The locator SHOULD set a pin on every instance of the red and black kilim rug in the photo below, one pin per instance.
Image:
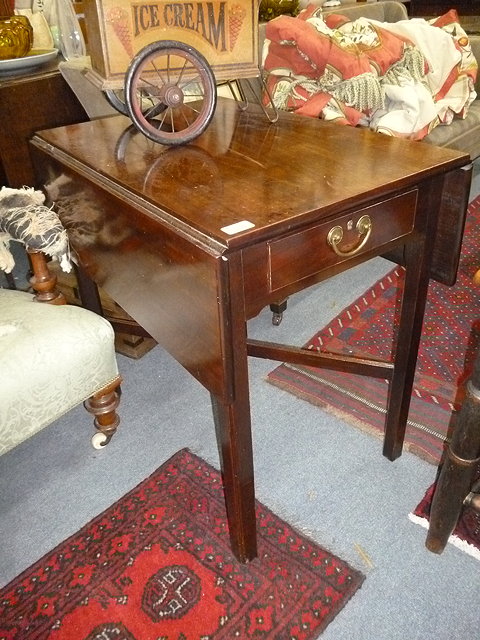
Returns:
(157, 565)
(449, 342)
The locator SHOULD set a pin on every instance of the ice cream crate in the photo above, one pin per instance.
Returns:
(224, 32)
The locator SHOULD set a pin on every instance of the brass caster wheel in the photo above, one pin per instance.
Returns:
(277, 319)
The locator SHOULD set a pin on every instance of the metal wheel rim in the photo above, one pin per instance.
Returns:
(171, 82)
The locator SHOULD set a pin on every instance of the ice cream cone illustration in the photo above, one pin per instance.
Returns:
(236, 16)
(118, 19)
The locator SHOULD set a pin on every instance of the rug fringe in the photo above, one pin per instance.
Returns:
(464, 546)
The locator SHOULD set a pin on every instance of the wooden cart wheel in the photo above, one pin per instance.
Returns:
(179, 85)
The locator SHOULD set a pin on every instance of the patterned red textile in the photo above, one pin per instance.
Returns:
(449, 22)
(157, 565)
(311, 50)
(401, 79)
(303, 59)
(389, 48)
(450, 339)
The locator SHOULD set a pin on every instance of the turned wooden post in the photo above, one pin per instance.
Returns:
(43, 281)
(456, 476)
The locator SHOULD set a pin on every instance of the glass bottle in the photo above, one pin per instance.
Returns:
(70, 36)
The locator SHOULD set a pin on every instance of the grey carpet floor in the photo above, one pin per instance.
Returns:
(320, 474)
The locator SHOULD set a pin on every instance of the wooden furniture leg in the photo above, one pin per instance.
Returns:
(232, 418)
(456, 476)
(417, 264)
(405, 357)
(88, 292)
(43, 281)
(103, 406)
(232, 424)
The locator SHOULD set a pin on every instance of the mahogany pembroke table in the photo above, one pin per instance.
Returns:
(193, 241)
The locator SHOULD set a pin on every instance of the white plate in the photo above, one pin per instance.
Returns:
(33, 60)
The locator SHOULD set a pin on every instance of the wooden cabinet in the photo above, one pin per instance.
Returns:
(29, 103)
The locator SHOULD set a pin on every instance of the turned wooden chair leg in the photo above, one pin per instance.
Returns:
(456, 476)
(43, 281)
(103, 406)
(454, 485)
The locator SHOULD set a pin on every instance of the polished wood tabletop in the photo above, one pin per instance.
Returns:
(296, 170)
(195, 240)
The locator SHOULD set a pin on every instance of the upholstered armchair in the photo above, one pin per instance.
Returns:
(53, 356)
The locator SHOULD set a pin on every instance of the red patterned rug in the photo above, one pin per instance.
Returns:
(449, 341)
(157, 565)
(466, 535)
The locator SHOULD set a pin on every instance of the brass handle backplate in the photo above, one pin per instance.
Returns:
(335, 236)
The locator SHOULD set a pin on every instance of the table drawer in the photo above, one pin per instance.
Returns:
(307, 252)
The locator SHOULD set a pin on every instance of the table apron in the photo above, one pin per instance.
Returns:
(297, 260)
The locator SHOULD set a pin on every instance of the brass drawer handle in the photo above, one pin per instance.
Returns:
(335, 235)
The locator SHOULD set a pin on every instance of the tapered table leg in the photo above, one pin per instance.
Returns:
(418, 256)
(232, 417)
(235, 445)
(456, 476)
(406, 350)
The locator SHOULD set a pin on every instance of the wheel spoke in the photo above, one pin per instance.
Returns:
(189, 81)
(163, 119)
(192, 108)
(181, 73)
(154, 110)
(158, 72)
(194, 95)
(185, 118)
(145, 81)
(146, 95)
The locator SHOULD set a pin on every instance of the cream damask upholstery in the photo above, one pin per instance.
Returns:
(52, 358)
